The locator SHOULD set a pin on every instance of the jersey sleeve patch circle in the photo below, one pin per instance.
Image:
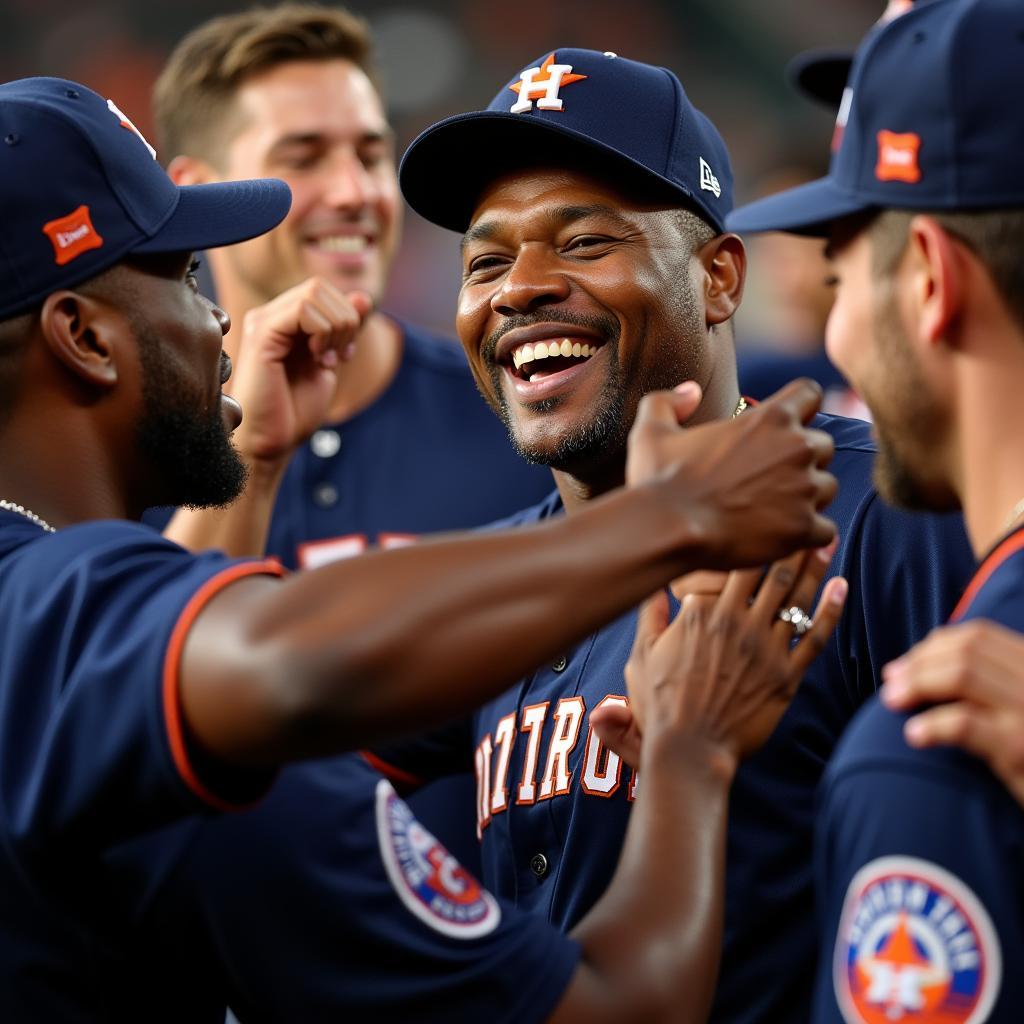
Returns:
(914, 944)
(431, 883)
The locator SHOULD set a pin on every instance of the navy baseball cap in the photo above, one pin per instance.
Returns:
(634, 118)
(933, 122)
(81, 189)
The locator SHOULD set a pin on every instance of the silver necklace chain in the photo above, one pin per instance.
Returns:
(11, 506)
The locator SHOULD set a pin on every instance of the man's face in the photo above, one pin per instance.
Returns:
(183, 431)
(319, 126)
(555, 261)
(868, 339)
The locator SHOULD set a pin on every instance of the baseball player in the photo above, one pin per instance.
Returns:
(143, 688)
(596, 267)
(403, 446)
(919, 865)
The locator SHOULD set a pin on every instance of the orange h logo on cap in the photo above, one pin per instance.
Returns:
(542, 84)
(897, 157)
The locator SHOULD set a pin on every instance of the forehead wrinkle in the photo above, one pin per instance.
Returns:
(558, 217)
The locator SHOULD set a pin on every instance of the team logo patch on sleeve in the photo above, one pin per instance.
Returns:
(431, 883)
(914, 944)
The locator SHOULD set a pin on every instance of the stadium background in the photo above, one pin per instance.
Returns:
(447, 56)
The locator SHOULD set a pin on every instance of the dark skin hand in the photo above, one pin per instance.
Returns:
(396, 641)
(706, 690)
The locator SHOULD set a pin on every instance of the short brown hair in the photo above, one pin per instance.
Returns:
(193, 96)
(994, 236)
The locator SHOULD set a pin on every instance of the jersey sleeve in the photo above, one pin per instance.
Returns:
(368, 916)
(921, 893)
(92, 746)
(412, 763)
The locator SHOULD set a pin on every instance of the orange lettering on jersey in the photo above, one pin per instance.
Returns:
(597, 780)
(532, 724)
(504, 738)
(568, 719)
(897, 157)
(72, 235)
(482, 765)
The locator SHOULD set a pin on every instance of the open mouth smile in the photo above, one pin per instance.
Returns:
(537, 361)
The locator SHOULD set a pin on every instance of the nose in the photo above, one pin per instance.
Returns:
(350, 186)
(223, 320)
(530, 283)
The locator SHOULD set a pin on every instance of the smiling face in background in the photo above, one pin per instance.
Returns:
(576, 301)
(320, 126)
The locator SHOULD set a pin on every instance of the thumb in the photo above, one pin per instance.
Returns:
(669, 408)
(617, 729)
(362, 302)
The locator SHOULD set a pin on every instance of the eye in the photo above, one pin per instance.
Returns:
(483, 263)
(585, 242)
(190, 275)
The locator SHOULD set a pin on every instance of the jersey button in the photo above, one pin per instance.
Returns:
(325, 443)
(325, 495)
(559, 664)
(539, 865)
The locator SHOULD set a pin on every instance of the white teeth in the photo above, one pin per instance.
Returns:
(545, 350)
(342, 243)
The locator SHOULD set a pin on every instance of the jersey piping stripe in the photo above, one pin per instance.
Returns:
(390, 771)
(999, 554)
(172, 665)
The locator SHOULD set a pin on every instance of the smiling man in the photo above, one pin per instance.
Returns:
(919, 851)
(592, 215)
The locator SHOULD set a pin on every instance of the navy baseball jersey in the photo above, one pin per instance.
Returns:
(119, 896)
(553, 803)
(919, 863)
(427, 455)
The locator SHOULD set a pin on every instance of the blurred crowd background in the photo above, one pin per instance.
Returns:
(452, 55)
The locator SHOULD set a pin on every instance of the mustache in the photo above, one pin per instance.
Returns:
(607, 327)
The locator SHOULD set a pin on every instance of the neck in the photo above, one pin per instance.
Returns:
(989, 431)
(720, 401)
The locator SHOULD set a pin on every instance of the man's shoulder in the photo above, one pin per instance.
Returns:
(432, 353)
(848, 433)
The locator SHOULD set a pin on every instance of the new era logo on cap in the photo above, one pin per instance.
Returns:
(542, 84)
(708, 182)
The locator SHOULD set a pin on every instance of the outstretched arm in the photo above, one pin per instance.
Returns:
(394, 641)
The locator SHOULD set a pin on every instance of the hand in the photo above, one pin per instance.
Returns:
(725, 669)
(285, 372)
(976, 671)
(751, 487)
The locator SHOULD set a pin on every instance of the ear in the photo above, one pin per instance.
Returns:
(725, 264)
(191, 170)
(83, 334)
(935, 278)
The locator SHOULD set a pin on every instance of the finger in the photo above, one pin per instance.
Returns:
(822, 445)
(826, 616)
(618, 730)
(959, 724)
(800, 398)
(776, 586)
(976, 660)
(651, 621)
(809, 568)
(668, 408)
(705, 581)
(826, 487)
(740, 586)
(362, 302)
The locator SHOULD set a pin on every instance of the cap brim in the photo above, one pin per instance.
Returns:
(821, 75)
(221, 213)
(806, 210)
(445, 188)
